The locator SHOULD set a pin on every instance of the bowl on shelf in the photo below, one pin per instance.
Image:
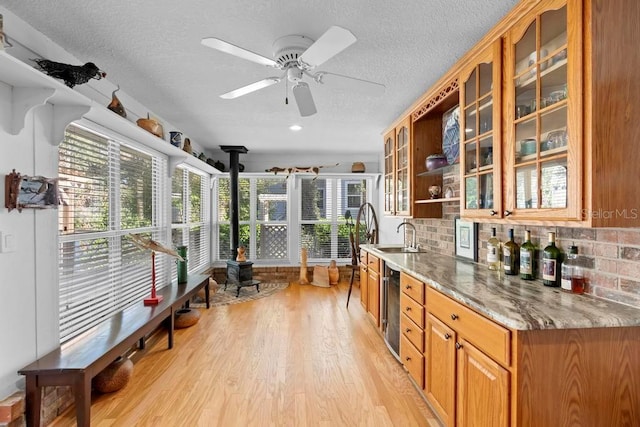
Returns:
(527, 146)
(436, 161)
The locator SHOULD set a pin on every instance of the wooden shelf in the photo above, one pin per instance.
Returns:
(32, 88)
(530, 80)
(438, 171)
(440, 200)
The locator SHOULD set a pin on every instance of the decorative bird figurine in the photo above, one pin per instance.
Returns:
(115, 105)
(147, 243)
(71, 74)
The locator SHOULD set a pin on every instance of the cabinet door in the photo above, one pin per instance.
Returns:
(373, 286)
(482, 391)
(481, 153)
(440, 373)
(389, 172)
(543, 147)
(402, 169)
(364, 289)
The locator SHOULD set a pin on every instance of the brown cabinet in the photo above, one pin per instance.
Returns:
(412, 293)
(465, 383)
(481, 141)
(364, 280)
(397, 170)
(373, 288)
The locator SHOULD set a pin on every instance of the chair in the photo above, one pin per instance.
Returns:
(355, 263)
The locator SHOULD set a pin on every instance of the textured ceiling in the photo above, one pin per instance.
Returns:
(153, 51)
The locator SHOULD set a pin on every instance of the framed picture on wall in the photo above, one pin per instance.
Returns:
(466, 239)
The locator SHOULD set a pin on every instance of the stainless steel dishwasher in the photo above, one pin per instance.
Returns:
(390, 313)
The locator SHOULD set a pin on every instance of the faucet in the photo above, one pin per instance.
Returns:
(413, 234)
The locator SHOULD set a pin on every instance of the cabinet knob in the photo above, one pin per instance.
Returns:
(408, 359)
(458, 345)
(507, 213)
(493, 213)
(408, 287)
(447, 336)
(407, 330)
(454, 316)
(408, 308)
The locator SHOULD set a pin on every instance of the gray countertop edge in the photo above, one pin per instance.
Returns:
(508, 300)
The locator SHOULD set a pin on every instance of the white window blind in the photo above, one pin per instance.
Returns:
(191, 216)
(109, 189)
(263, 217)
(323, 203)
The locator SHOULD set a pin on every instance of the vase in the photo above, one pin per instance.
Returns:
(334, 273)
(175, 138)
(182, 265)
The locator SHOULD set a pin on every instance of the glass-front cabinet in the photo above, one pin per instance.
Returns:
(481, 167)
(543, 136)
(397, 174)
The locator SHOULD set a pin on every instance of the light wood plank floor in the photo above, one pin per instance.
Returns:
(296, 358)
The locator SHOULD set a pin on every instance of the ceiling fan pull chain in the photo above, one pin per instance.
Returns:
(286, 92)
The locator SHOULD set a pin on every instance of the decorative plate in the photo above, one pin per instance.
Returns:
(451, 135)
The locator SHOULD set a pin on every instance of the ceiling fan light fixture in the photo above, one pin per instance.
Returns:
(302, 94)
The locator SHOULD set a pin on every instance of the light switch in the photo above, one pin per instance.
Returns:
(7, 243)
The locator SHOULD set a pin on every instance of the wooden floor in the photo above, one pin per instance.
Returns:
(296, 358)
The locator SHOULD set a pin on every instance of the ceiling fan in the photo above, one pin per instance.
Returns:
(298, 56)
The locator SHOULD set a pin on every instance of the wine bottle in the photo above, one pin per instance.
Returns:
(510, 252)
(551, 262)
(527, 257)
(493, 251)
(566, 269)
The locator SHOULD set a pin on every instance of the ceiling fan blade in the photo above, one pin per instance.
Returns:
(234, 50)
(302, 94)
(333, 41)
(352, 84)
(251, 88)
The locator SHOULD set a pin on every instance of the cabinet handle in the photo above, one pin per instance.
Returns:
(408, 287)
(458, 345)
(408, 359)
(454, 316)
(507, 213)
(407, 330)
(493, 213)
(408, 308)
(447, 336)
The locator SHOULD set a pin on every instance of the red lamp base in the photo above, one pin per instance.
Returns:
(153, 300)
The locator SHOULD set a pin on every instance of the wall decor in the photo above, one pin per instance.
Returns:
(299, 169)
(35, 192)
(151, 125)
(451, 135)
(115, 105)
(466, 238)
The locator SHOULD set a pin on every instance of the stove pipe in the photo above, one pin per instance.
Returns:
(234, 162)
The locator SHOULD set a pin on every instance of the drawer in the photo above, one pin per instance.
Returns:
(412, 287)
(493, 339)
(373, 263)
(412, 309)
(413, 332)
(413, 360)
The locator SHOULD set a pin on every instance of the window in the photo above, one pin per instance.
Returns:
(190, 216)
(109, 189)
(263, 218)
(323, 204)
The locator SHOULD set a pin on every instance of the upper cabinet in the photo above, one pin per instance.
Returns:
(481, 141)
(397, 170)
(543, 104)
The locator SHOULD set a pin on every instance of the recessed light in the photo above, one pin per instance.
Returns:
(295, 128)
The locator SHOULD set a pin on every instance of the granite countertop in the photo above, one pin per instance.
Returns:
(515, 303)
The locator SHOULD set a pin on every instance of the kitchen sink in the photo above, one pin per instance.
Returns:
(398, 249)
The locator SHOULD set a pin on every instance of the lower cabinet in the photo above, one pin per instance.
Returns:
(412, 327)
(373, 288)
(464, 385)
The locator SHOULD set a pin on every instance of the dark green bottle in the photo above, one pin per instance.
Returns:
(527, 258)
(510, 255)
(551, 262)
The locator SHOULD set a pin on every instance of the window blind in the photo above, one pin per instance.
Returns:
(109, 189)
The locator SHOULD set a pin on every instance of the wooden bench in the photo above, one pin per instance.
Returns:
(76, 362)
